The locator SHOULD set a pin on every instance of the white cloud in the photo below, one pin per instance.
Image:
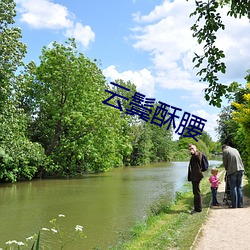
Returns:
(165, 33)
(44, 14)
(83, 34)
(143, 79)
(159, 12)
(211, 122)
(234, 41)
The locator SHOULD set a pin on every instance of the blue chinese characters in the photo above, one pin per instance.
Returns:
(163, 114)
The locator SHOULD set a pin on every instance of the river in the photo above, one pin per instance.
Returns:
(105, 204)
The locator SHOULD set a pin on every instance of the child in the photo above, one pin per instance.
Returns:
(214, 185)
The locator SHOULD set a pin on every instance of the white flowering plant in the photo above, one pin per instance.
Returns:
(48, 237)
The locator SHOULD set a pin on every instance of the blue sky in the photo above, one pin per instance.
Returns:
(148, 42)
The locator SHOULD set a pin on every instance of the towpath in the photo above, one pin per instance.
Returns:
(225, 228)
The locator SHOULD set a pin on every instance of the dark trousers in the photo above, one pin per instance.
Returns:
(235, 182)
(214, 196)
(197, 196)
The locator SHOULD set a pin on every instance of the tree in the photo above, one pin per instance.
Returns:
(12, 50)
(130, 124)
(215, 148)
(241, 116)
(19, 157)
(206, 138)
(208, 23)
(230, 130)
(162, 144)
(149, 142)
(233, 123)
(227, 127)
(78, 132)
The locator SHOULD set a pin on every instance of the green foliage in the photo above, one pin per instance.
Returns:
(203, 144)
(241, 116)
(67, 116)
(162, 144)
(207, 12)
(206, 138)
(215, 147)
(12, 50)
(233, 123)
(184, 142)
(149, 142)
(20, 158)
(53, 120)
(207, 24)
(227, 127)
(238, 8)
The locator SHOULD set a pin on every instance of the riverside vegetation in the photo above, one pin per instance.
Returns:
(53, 122)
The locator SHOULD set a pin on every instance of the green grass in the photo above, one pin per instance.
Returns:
(170, 226)
(246, 188)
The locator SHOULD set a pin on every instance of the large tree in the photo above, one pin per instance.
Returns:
(227, 127)
(211, 63)
(68, 117)
(149, 142)
(19, 158)
(242, 116)
(12, 51)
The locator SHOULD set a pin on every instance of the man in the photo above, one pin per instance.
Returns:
(235, 170)
(195, 175)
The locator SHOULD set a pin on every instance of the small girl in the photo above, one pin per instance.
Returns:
(214, 185)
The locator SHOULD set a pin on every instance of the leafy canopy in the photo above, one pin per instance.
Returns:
(205, 28)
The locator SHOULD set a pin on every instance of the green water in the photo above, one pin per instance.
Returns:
(104, 204)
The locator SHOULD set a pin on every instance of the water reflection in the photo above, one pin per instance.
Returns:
(105, 204)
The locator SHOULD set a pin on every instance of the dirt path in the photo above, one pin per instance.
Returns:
(225, 228)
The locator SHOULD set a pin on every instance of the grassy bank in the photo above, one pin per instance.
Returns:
(170, 227)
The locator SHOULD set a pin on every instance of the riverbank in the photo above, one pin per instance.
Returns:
(171, 227)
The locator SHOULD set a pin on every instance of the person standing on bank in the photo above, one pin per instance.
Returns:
(195, 175)
(214, 181)
(235, 169)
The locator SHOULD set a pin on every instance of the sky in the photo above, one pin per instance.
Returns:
(147, 42)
